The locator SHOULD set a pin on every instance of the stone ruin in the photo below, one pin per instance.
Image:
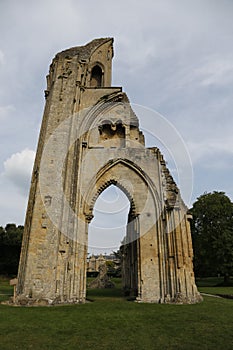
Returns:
(90, 139)
(102, 281)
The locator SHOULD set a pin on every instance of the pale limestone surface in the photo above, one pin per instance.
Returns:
(92, 123)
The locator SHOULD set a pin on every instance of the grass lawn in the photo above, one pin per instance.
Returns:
(210, 285)
(5, 290)
(111, 322)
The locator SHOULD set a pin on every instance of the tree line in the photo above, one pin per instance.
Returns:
(212, 235)
(10, 246)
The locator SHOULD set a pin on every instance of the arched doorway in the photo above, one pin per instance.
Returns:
(107, 229)
(113, 229)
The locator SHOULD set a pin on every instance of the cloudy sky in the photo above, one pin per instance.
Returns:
(172, 56)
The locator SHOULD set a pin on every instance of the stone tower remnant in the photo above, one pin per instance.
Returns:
(90, 139)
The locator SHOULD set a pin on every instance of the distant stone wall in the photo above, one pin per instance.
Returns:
(93, 263)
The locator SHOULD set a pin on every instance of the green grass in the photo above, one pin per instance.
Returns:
(210, 285)
(111, 322)
(114, 294)
(5, 289)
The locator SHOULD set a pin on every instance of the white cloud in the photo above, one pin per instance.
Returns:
(215, 153)
(18, 169)
(12, 204)
(216, 71)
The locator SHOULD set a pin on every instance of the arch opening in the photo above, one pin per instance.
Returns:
(112, 230)
(96, 77)
(108, 226)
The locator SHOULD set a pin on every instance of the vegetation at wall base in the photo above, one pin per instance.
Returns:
(112, 322)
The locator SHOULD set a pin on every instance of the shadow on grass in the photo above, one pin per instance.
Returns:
(215, 285)
(111, 294)
(6, 291)
(112, 323)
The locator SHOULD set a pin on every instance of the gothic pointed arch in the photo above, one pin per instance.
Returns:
(110, 175)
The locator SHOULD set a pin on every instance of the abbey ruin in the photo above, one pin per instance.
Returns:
(90, 139)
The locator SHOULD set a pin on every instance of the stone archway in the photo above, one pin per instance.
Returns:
(98, 133)
(122, 174)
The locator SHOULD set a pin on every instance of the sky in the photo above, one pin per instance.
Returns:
(174, 57)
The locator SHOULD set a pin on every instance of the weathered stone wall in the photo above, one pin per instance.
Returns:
(97, 131)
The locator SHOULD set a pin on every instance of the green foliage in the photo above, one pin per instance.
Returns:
(212, 232)
(92, 274)
(111, 268)
(10, 246)
(118, 257)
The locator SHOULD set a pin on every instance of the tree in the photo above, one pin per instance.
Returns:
(111, 268)
(10, 246)
(212, 232)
